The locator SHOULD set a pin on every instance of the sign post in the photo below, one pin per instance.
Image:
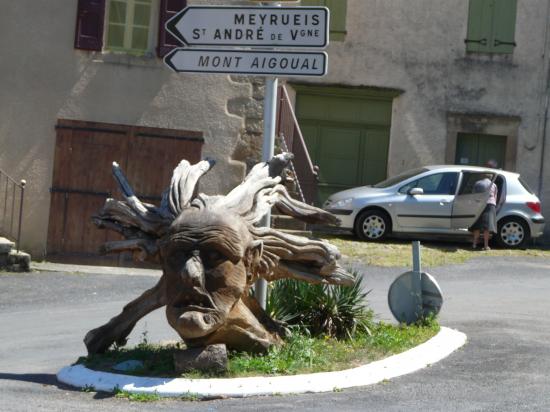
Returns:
(268, 149)
(261, 30)
(247, 62)
(254, 26)
(415, 295)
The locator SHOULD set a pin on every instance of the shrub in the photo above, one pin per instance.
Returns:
(335, 311)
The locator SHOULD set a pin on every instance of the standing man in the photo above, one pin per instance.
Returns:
(487, 221)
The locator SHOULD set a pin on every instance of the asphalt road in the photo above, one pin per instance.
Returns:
(502, 305)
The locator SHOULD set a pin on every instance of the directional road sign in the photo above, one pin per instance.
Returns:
(251, 26)
(254, 62)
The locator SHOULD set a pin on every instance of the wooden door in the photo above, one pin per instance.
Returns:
(82, 179)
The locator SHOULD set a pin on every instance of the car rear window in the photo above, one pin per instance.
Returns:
(526, 186)
(399, 178)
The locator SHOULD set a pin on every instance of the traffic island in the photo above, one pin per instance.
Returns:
(437, 348)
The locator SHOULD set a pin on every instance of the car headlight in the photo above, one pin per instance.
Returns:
(342, 203)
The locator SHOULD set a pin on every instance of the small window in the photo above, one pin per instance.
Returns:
(338, 10)
(129, 26)
(491, 26)
(436, 184)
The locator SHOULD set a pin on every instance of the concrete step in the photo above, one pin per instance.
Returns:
(12, 260)
(6, 245)
(18, 261)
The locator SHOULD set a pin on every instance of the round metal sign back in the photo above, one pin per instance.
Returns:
(413, 296)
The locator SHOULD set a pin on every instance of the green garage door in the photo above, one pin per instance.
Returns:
(477, 149)
(347, 132)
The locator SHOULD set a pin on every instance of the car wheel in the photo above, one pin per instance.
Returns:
(372, 225)
(513, 233)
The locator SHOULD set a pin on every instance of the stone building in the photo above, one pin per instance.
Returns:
(409, 83)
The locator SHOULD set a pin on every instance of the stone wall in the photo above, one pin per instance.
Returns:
(251, 108)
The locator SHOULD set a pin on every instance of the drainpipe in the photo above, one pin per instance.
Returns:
(545, 104)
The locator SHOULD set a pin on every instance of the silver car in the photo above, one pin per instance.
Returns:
(439, 200)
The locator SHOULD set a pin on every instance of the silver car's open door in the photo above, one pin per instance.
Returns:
(469, 203)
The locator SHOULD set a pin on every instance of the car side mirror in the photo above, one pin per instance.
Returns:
(416, 191)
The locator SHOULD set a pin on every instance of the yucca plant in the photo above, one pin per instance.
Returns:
(335, 311)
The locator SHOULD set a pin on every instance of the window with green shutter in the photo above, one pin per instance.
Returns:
(128, 27)
(491, 26)
(338, 10)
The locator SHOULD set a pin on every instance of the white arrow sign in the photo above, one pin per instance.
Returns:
(251, 26)
(254, 62)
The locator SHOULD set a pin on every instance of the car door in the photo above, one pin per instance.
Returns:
(431, 209)
(469, 203)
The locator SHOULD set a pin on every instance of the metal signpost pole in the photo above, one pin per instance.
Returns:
(268, 150)
(417, 278)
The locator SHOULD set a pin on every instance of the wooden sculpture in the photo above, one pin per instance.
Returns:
(211, 251)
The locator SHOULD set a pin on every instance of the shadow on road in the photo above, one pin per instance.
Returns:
(40, 378)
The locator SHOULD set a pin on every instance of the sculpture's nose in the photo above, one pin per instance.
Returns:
(193, 270)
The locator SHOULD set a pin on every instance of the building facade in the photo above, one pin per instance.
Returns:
(412, 83)
(409, 83)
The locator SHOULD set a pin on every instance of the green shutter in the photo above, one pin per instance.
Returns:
(491, 26)
(504, 26)
(479, 26)
(338, 10)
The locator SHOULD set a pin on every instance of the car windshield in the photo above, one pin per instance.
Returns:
(399, 178)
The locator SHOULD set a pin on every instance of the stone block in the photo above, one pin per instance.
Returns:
(128, 366)
(237, 105)
(19, 261)
(258, 92)
(212, 358)
(6, 245)
(254, 125)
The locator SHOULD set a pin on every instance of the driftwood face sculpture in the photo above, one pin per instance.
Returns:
(212, 251)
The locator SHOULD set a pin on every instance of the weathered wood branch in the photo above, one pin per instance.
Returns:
(118, 328)
(124, 214)
(183, 185)
(147, 248)
(297, 257)
(260, 191)
(278, 197)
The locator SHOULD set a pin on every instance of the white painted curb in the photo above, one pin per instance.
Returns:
(435, 349)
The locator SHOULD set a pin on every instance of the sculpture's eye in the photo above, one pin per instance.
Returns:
(176, 258)
(211, 258)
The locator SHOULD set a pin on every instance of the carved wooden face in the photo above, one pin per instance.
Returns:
(204, 258)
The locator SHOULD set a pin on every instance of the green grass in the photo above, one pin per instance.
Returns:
(150, 397)
(398, 253)
(137, 397)
(300, 354)
(157, 359)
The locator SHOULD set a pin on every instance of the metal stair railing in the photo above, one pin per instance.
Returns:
(289, 131)
(293, 169)
(12, 195)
